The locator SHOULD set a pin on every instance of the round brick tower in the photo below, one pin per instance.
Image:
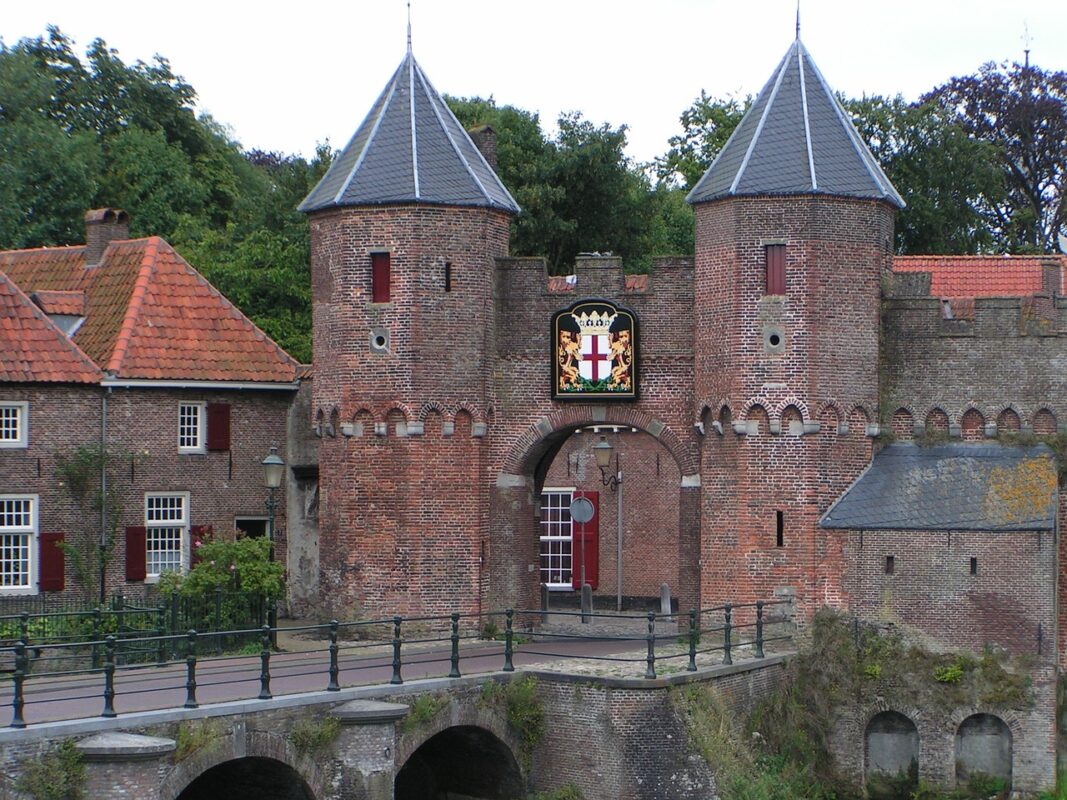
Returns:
(405, 227)
(794, 228)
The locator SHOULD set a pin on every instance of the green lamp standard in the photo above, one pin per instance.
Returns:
(602, 451)
(273, 472)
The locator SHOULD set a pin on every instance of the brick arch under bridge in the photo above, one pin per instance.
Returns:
(513, 556)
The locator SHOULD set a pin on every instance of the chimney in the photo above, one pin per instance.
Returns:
(102, 226)
(484, 138)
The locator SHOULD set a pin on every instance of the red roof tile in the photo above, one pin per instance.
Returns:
(67, 303)
(561, 283)
(149, 315)
(32, 348)
(983, 276)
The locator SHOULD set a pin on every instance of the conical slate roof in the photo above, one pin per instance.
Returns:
(795, 139)
(410, 149)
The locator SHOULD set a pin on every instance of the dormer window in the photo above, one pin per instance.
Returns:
(14, 424)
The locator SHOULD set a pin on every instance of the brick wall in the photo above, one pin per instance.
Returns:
(792, 381)
(142, 427)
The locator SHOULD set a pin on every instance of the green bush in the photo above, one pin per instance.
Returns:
(59, 775)
(242, 565)
(314, 736)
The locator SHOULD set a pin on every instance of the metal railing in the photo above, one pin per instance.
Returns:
(370, 651)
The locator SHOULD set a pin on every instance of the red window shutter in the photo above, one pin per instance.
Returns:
(379, 263)
(775, 268)
(202, 534)
(218, 426)
(50, 574)
(585, 542)
(136, 553)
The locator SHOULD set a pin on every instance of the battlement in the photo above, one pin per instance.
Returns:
(593, 275)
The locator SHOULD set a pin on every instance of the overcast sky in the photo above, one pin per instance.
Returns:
(285, 76)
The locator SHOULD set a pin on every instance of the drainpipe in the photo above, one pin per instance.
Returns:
(103, 494)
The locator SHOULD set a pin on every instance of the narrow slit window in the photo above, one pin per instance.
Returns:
(974, 565)
(779, 523)
(380, 268)
(775, 258)
(448, 276)
(890, 565)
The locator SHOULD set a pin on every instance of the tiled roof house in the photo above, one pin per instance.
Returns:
(120, 344)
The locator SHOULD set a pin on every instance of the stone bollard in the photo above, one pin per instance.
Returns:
(665, 599)
(587, 603)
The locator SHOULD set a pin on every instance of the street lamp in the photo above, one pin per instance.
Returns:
(602, 452)
(273, 472)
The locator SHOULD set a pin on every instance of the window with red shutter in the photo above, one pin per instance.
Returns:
(775, 255)
(379, 267)
(586, 545)
(136, 553)
(218, 426)
(50, 575)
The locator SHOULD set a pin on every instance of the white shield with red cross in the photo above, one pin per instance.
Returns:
(595, 365)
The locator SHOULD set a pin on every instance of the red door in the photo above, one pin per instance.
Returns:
(585, 538)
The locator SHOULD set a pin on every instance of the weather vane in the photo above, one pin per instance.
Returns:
(1027, 41)
(798, 20)
(409, 26)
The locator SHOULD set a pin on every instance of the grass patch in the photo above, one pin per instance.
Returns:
(193, 736)
(314, 736)
(523, 709)
(422, 711)
(59, 775)
(568, 792)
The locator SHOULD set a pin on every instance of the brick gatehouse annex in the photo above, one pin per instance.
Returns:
(794, 411)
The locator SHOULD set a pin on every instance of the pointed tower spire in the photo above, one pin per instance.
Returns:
(795, 139)
(409, 27)
(410, 148)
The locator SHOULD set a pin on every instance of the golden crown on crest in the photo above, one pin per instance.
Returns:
(594, 324)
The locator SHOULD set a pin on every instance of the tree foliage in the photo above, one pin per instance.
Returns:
(81, 133)
(706, 126)
(578, 191)
(1021, 111)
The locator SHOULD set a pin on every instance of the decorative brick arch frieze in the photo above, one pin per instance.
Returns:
(256, 744)
(833, 408)
(795, 402)
(476, 415)
(972, 423)
(529, 446)
(1003, 420)
(1044, 422)
(431, 407)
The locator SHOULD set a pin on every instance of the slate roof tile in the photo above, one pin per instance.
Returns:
(795, 139)
(957, 486)
(410, 148)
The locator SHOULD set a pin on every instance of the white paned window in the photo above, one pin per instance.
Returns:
(14, 424)
(191, 418)
(166, 532)
(18, 544)
(556, 538)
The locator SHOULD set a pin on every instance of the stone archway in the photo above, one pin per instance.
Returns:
(514, 557)
(891, 756)
(983, 751)
(250, 778)
(462, 761)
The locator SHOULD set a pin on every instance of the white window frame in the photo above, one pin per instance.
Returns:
(546, 524)
(201, 432)
(22, 414)
(31, 531)
(151, 525)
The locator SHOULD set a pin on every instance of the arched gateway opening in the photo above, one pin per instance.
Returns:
(464, 761)
(653, 512)
(251, 778)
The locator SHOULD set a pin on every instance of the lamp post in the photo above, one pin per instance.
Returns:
(602, 451)
(273, 472)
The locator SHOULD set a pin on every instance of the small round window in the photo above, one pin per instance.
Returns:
(773, 340)
(379, 340)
